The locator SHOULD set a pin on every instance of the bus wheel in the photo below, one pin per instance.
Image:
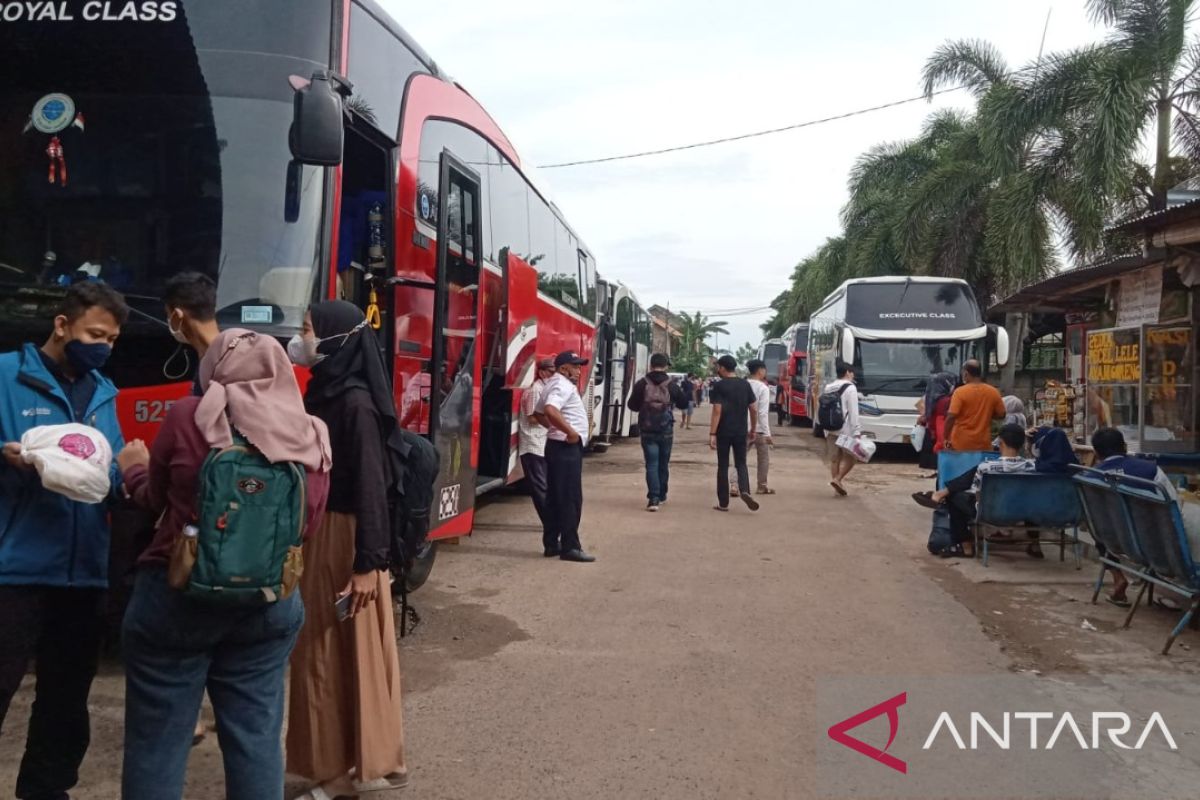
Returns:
(421, 567)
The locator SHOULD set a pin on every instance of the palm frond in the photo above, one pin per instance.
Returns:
(972, 63)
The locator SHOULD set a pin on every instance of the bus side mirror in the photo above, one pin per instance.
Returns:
(317, 132)
(847, 346)
(1001, 335)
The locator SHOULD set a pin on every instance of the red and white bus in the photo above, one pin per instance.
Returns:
(142, 138)
(792, 392)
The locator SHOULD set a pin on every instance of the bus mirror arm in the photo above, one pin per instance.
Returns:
(847, 346)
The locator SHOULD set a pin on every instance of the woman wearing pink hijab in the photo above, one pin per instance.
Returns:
(176, 647)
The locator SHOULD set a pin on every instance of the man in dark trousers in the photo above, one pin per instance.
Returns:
(734, 422)
(563, 409)
(53, 550)
(652, 398)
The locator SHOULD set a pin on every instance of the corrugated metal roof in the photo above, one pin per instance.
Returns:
(1051, 294)
(1156, 219)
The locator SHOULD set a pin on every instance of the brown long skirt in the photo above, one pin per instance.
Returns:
(345, 709)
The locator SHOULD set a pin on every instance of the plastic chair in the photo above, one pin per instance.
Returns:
(1030, 501)
(953, 463)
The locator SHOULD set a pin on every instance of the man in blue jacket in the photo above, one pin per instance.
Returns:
(54, 551)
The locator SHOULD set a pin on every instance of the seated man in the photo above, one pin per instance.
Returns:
(960, 493)
(1112, 455)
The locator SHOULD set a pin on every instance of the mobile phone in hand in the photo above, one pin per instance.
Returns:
(342, 606)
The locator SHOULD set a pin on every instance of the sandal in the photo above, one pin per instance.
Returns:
(1034, 551)
(1119, 602)
(765, 490)
(953, 551)
(394, 780)
(925, 500)
(720, 508)
(837, 487)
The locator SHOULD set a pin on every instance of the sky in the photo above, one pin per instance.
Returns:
(717, 228)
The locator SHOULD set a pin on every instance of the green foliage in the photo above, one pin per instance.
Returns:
(745, 352)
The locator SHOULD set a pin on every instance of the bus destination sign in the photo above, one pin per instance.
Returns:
(91, 11)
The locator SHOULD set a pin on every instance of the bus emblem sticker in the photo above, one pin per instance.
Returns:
(448, 502)
(53, 113)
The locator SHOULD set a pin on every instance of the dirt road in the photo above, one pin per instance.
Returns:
(685, 662)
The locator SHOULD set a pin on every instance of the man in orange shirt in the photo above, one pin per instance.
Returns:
(973, 406)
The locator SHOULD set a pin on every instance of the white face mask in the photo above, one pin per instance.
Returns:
(176, 333)
(303, 351)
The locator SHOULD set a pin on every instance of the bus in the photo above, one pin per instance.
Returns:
(622, 357)
(897, 331)
(792, 392)
(772, 352)
(293, 150)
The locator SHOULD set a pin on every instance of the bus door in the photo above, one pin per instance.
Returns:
(455, 363)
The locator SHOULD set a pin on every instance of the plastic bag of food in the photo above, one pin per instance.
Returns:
(72, 460)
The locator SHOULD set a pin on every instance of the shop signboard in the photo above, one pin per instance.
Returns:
(1140, 297)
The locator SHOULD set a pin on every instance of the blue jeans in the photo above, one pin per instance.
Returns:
(174, 648)
(656, 448)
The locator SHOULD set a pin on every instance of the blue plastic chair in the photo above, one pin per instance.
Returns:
(1029, 501)
(953, 463)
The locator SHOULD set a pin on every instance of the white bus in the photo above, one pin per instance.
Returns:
(622, 356)
(897, 331)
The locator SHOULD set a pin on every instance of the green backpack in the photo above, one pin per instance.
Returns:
(251, 517)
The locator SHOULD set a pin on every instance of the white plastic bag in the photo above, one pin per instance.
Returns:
(72, 459)
(918, 437)
(859, 446)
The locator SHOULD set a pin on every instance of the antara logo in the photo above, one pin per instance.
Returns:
(1107, 729)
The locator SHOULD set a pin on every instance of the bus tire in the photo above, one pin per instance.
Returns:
(421, 567)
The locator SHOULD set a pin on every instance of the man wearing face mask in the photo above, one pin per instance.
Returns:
(191, 301)
(54, 551)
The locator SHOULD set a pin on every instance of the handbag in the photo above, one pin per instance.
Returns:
(939, 532)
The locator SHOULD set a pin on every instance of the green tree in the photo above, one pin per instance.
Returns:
(745, 352)
(695, 330)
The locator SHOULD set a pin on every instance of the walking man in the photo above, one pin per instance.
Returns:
(762, 435)
(973, 406)
(531, 447)
(563, 409)
(839, 440)
(734, 421)
(652, 398)
(689, 392)
(54, 551)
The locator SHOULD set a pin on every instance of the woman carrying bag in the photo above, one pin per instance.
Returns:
(178, 641)
(345, 718)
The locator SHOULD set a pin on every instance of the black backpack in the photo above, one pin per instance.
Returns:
(655, 416)
(410, 511)
(829, 409)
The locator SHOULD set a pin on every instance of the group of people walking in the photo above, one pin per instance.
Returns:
(345, 728)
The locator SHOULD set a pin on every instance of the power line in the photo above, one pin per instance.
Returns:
(755, 134)
(810, 123)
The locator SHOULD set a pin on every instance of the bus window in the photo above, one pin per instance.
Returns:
(379, 68)
(436, 136)
(509, 203)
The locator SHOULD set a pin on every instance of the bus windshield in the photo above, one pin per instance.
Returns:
(129, 175)
(912, 305)
(903, 367)
(800, 341)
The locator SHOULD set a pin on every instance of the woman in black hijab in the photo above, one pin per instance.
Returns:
(344, 722)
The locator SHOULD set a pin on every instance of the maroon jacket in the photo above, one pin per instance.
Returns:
(168, 486)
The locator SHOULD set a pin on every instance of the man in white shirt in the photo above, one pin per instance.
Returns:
(762, 434)
(567, 420)
(531, 444)
(841, 460)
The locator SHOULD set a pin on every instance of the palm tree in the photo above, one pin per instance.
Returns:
(1085, 114)
(695, 330)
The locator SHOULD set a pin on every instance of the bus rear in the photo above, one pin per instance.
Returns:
(792, 394)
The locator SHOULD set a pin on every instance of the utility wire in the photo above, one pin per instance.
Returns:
(808, 124)
(755, 134)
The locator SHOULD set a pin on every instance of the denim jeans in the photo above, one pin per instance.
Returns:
(174, 648)
(656, 448)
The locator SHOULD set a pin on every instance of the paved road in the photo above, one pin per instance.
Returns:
(685, 663)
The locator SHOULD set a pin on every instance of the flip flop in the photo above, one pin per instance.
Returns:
(837, 487)
(395, 780)
(721, 508)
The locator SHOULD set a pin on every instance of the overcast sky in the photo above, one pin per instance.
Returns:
(719, 227)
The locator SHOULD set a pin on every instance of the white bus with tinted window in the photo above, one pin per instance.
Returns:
(897, 332)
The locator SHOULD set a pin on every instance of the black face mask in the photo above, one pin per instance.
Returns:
(87, 357)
